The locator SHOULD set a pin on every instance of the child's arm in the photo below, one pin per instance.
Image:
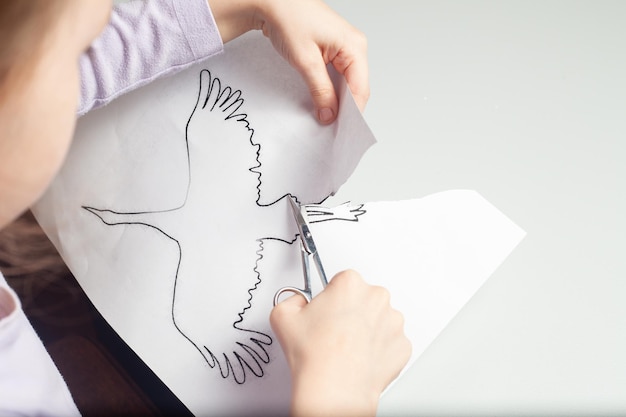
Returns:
(145, 40)
(309, 35)
(149, 39)
(343, 348)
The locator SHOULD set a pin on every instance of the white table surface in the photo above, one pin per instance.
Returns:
(524, 102)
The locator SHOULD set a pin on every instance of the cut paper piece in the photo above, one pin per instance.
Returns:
(171, 213)
(432, 254)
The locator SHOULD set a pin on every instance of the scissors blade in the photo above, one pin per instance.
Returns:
(303, 227)
(297, 213)
(308, 244)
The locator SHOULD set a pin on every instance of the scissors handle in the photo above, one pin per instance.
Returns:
(307, 248)
(306, 291)
(306, 294)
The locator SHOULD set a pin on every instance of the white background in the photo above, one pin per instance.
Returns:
(524, 102)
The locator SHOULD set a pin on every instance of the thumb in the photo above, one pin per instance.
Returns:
(282, 314)
(322, 91)
(293, 303)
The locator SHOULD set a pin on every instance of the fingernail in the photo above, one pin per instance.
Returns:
(326, 115)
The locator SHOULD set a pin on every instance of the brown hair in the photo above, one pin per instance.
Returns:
(26, 250)
(35, 270)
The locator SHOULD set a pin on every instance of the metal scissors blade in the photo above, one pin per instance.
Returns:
(307, 248)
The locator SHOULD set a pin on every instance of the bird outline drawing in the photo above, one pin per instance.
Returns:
(220, 243)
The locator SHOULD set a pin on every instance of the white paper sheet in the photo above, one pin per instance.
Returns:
(170, 213)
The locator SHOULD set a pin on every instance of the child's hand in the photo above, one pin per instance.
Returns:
(343, 348)
(309, 35)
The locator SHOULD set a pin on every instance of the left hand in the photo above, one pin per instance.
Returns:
(309, 35)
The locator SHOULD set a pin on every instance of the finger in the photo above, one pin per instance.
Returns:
(357, 77)
(349, 280)
(355, 69)
(282, 312)
(317, 79)
(293, 302)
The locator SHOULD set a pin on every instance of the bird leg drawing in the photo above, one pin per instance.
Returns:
(220, 244)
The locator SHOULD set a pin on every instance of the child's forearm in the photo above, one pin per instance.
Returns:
(322, 394)
(234, 18)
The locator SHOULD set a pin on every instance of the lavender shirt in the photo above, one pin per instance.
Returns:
(145, 40)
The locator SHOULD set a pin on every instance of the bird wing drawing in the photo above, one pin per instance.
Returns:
(234, 225)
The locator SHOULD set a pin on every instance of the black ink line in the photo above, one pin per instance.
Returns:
(229, 102)
(250, 357)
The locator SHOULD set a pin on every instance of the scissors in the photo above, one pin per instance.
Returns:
(307, 249)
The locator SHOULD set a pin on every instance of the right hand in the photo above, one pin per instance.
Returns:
(343, 348)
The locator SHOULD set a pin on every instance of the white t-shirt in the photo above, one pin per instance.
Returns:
(30, 383)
